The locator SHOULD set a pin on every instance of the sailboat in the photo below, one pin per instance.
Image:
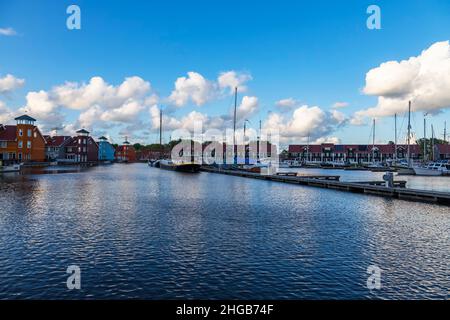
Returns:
(374, 166)
(433, 168)
(406, 169)
(167, 164)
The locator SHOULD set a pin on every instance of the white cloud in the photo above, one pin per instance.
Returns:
(232, 80)
(193, 88)
(305, 121)
(7, 32)
(40, 106)
(10, 83)
(287, 104)
(334, 140)
(197, 89)
(128, 112)
(425, 80)
(247, 108)
(340, 105)
(6, 114)
(77, 96)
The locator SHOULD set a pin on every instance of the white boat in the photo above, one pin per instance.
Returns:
(289, 164)
(10, 168)
(433, 169)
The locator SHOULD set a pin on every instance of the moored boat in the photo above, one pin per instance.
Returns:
(10, 168)
(181, 167)
(433, 169)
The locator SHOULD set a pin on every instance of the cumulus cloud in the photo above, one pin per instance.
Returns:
(10, 83)
(7, 32)
(193, 88)
(231, 80)
(425, 80)
(197, 89)
(305, 121)
(247, 108)
(6, 114)
(102, 105)
(78, 96)
(42, 107)
(125, 113)
(287, 104)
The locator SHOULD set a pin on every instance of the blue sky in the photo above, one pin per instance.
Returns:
(314, 52)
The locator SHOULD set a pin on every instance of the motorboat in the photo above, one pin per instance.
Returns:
(10, 168)
(433, 169)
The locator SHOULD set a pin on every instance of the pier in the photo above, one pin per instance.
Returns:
(378, 188)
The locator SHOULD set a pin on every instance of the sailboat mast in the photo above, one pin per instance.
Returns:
(424, 137)
(234, 118)
(307, 148)
(259, 143)
(373, 142)
(395, 140)
(445, 131)
(160, 134)
(432, 143)
(409, 134)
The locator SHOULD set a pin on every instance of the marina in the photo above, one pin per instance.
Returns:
(141, 232)
(398, 190)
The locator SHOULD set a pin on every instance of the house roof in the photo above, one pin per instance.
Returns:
(8, 133)
(103, 138)
(363, 148)
(25, 117)
(82, 131)
(55, 141)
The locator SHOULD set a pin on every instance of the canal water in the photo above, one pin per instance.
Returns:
(140, 232)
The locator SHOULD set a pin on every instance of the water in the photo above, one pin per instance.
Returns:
(140, 232)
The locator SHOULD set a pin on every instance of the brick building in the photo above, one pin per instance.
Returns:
(22, 142)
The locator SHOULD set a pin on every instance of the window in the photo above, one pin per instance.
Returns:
(79, 141)
(20, 132)
(3, 144)
(20, 144)
(29, 144)
(35, 134)
(19, 156)
(29, 132)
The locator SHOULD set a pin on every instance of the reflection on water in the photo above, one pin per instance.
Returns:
(140, 232)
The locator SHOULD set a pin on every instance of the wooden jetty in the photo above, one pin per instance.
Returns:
(399, 191)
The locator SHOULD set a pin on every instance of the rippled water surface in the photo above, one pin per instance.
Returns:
(140, 232)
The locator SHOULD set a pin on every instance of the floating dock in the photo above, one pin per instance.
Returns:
(399, 191)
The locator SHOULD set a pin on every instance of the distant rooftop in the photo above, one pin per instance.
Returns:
(126, 142)
(25, 117)
(83, 131)
(103, 138)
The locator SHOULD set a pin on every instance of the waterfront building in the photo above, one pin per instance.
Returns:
(105, 150)
(125, 152)
(22, 142)
(360, 153)
(54, 147)
(81, 149)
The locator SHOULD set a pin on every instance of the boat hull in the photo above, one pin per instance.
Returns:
(187, 167)
(13, 168)
(427, 172)
(406, 171)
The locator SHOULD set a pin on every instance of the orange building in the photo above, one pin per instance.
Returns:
(22, 142)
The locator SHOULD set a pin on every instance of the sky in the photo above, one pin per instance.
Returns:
(311, 69)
